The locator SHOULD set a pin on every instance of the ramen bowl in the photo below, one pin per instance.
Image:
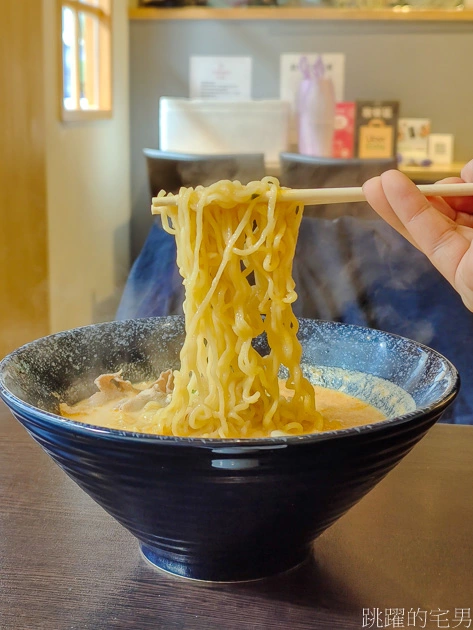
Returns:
(226, 510)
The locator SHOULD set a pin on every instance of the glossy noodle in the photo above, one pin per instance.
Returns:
(235, 250)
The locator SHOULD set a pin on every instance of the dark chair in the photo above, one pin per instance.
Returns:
(303, 171)
(169, 171)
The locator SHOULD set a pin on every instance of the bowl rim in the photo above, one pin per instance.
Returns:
(16, 404)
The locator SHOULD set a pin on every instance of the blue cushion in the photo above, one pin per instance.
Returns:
(154, 286)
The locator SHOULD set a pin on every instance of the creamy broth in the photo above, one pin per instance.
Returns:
(339, 411)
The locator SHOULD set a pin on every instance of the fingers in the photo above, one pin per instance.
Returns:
(444, 205)
(450, 180)
(440, 227)
(434, 233)
(376, 197)
(459, 204)
(464, 279)
(467, 172)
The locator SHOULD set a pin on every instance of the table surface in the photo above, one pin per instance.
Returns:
(408, 545)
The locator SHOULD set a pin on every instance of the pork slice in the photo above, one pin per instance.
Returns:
(111, 387)
(166, 381)
(151, 394)
(157, 392)
(113, 384)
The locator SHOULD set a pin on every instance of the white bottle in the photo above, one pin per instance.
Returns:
(316, 105)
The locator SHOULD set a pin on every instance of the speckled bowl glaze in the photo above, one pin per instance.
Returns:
(225, 510)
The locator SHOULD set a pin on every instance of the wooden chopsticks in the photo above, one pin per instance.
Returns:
(318, 196)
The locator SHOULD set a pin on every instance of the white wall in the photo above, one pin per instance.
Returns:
(88, 191)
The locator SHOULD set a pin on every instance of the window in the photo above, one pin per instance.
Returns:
(86, 59)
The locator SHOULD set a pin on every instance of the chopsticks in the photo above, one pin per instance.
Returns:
(318, 196)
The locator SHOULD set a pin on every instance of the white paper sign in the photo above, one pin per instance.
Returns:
(292, 69)
(220, 78)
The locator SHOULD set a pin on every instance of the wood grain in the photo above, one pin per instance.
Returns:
(404, 14)
(66, 564)
(23, 224)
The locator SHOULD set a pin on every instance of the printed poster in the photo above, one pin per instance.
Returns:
(220, 78)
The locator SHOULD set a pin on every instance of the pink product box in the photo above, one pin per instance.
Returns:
(344, 132)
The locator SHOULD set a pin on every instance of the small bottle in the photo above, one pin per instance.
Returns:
(316, 105)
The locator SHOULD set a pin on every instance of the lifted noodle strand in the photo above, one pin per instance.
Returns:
(235, 253)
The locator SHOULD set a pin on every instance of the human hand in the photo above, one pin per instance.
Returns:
(441, 228)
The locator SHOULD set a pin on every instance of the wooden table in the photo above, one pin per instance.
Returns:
(66, 564)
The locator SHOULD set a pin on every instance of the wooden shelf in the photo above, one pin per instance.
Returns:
(416, 173)
(303, 13)
(433, 172)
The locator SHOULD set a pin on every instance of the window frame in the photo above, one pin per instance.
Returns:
(105, 19)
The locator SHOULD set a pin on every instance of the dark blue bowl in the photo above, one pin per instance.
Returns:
(225, 509)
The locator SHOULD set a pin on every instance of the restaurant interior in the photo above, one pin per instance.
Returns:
(106, 102)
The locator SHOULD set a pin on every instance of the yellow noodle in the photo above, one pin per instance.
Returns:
(235, 252)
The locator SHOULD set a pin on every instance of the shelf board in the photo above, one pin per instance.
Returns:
(430, 173)
(302, 13)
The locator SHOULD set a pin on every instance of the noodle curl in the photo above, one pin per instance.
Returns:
(235, 250)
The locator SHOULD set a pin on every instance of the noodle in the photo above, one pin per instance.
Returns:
(235, 250)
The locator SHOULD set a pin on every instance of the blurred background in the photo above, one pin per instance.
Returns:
(86, 86)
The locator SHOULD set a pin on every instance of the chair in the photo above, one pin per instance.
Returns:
(303, 171)
(170, 171)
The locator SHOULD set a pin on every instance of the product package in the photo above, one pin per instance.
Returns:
(441, 148)
(344, 132)
(376, 129)
(413, 141)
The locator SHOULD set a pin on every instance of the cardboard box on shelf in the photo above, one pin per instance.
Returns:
(212, 126)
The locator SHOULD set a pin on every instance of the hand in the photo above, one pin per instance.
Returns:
(441, 228)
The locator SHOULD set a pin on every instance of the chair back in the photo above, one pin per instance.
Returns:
(303, 171)
(169, 171)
